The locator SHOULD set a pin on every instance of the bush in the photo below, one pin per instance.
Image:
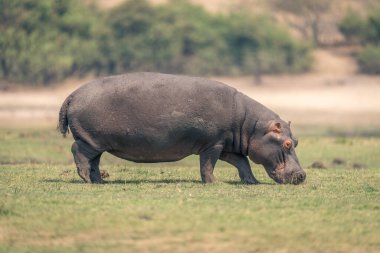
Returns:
(353, 27)
(182, 38)
(369, 60)
(358, 29)
(46, 41)
(365, 31)
(257, 42)
(373, 33)
(168, 38)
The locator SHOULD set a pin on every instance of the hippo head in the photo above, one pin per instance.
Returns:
(273, 146)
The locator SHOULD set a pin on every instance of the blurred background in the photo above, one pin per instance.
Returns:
(316, 63)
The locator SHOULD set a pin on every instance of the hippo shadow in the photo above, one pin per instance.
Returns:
(150, 181)
(120, 181)
(240, 183)
(153, 181)
(72, 181)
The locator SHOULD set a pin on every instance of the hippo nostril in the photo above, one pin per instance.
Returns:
(299, 177)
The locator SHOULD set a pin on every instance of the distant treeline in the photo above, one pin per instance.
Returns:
(364, 30)
(46, 41)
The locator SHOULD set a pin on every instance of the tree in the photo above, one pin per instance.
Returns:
(311, 13)
(46, 41)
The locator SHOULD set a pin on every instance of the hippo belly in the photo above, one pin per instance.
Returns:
(156, 145)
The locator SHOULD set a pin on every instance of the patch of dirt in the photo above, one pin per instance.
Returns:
(339, 161)
(104, 174)
(359, 166)
(318, 165)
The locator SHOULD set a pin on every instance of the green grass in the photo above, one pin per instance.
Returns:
(44, 207)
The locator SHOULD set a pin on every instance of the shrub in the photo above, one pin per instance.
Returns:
(367, 32)
(353, 27)
(257, 42)
(182, 38)
(373, 31)
(177, 37)
(369, 60)
(46, 41)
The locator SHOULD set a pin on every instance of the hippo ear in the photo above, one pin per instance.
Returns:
(274, 126)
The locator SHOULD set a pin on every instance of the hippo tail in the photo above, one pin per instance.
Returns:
(63, 123)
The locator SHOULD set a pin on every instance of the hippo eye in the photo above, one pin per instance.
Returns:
(287, 144)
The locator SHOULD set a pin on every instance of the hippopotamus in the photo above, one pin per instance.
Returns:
(153, 117)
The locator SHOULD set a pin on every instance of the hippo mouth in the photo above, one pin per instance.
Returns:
(279, 175)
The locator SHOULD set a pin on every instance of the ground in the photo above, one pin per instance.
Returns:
(45, 207)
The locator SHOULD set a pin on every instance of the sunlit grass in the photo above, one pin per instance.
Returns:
(44, 207)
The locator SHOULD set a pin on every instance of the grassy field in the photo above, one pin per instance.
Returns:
(44, 207)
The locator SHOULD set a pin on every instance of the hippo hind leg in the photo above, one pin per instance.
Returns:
(95, 175)
(87, 161)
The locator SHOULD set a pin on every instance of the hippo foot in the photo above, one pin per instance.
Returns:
(208, 179)
(101, 181)
(250, 181)
(85, 177)
(96, 179)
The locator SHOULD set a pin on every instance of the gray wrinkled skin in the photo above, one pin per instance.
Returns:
(149, 117)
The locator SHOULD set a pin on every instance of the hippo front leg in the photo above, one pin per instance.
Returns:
(208, 160)
(242, 164)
